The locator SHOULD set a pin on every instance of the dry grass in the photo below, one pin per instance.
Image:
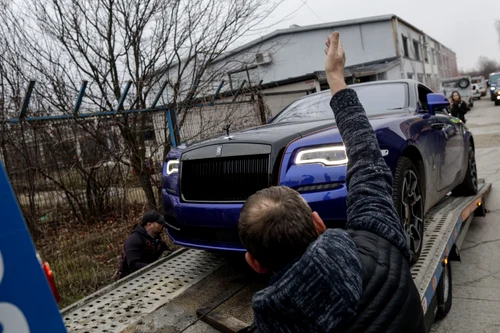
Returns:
(84, 258)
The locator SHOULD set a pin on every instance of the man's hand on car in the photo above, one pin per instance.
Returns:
(335, 62)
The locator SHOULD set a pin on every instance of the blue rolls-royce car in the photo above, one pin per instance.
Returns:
(429, 152)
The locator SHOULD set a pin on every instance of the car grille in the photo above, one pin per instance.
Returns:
(224, 179)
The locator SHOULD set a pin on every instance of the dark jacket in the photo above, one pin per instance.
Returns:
(459, 110)
(140, 249)
(354, 280)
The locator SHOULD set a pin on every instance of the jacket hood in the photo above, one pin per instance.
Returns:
(139, 229)
(318, 292)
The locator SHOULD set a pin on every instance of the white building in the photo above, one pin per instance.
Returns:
(378, 48)
(289, 63)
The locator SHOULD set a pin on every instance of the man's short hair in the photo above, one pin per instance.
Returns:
(276, 226)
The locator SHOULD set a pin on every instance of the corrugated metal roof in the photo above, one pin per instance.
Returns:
(329, 25)
(371, 69)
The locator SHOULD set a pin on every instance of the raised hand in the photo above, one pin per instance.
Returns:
(335, 63)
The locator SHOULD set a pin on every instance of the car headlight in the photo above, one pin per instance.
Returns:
(171, 167)
(332, 155)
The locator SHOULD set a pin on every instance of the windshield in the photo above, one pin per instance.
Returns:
(493, 79)
(376, 99)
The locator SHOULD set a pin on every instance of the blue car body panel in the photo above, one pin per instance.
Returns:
(440, 141)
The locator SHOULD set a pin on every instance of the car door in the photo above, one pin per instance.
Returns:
(432, 145)
(440, 152)
(452, 158)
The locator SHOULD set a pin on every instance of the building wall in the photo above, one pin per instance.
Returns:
(425, 59)
(295, 54)
(395, 73)
(277, 98)
(302, 53)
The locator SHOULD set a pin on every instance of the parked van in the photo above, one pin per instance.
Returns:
(480, 81)
(462, 84)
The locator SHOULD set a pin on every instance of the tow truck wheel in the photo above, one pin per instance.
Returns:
(469, 185)
(444, 293)
(409, 202)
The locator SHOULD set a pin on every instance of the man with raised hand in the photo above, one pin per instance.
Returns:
(353, 280)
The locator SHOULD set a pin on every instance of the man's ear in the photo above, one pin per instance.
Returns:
(318, 223)
(255, 264)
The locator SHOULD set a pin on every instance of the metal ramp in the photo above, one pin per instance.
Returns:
(190, 286)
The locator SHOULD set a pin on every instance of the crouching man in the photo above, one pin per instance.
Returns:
(144, 245)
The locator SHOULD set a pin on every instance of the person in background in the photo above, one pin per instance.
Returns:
(144, 245)
(353, 280)
(458, 107)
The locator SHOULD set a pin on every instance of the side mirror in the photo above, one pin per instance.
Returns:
(437, 101)
(269, 119)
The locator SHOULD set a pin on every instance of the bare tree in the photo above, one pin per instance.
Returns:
(107, 42)
(486, 66)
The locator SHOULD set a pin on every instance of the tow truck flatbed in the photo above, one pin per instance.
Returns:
(190, 288)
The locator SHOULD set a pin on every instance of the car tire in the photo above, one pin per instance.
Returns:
(444, 293)
(497, 103)
(469, 184)
(409, 202)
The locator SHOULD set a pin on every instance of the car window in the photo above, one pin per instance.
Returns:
(422, 97)
(375, 98)
(493, 79)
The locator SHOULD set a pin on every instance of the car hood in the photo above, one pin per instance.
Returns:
(332, 135)
(279, 134)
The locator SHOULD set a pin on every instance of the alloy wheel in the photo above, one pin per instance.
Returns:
(412, 210)
(472, 167)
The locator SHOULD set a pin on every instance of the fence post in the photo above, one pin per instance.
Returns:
(239, 90)
(174, 136)
(158, 95)
(261, 104)
(123, 96)
(26, 100)
(217, 91)
(79, 99)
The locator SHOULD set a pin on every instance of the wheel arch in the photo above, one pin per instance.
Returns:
(414, 154)
(471, 141)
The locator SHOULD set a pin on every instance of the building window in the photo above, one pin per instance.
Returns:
(420, 78)
(416, 47)
(426, 56)
(410, 76)
(433, 57)
(405, 46)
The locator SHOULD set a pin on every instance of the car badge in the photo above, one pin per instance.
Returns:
(218, 151)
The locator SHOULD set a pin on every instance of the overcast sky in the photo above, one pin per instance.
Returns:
(467, 27)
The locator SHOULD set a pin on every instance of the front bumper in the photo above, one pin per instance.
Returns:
(215, 226)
